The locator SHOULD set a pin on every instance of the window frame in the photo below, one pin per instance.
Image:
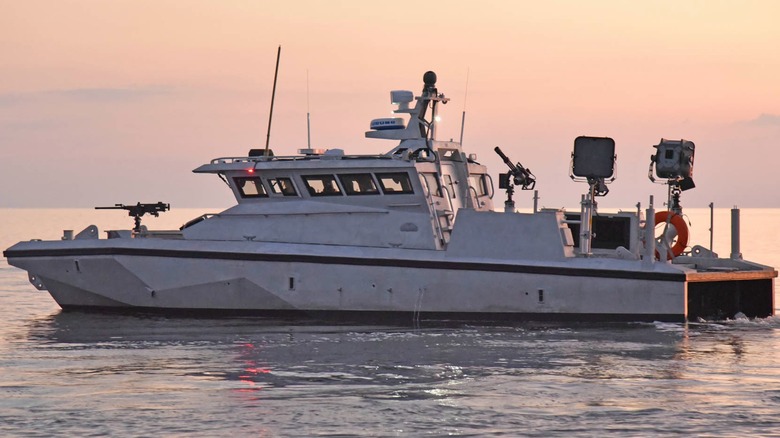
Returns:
(347, 187)
(240, 182)
(381, 175)
(312, 191)
(272, 183)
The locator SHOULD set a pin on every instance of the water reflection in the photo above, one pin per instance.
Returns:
(465, 379)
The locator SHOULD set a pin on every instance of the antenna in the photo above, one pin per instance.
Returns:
(463, 117)
(273, 96)
(308, 117)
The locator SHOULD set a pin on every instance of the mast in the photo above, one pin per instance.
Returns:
(273, 96)
(430, 95)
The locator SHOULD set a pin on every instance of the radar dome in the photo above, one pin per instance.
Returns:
(429, 78)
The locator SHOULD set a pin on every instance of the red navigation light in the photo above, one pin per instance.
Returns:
(252, 170)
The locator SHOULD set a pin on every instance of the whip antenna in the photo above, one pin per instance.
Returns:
(463, 117)
(308, 117)
(273, 95)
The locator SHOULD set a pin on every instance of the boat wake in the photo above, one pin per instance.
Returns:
(740, 321)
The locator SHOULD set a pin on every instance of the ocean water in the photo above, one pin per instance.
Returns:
(80, 374)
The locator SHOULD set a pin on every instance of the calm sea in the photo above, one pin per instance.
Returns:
(76, 374)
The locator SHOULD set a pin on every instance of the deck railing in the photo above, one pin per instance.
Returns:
(259, 159)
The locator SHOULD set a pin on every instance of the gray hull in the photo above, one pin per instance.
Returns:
(263, 278)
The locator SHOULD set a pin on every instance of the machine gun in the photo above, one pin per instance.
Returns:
(521, 176)
(517, 176)
(138, 210)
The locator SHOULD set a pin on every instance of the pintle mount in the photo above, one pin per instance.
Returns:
(138, 210)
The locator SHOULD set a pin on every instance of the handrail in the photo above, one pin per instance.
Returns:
(301, 213)
(425, 184)
(259, 159)
(476, 196)
(436, 220)
(448, 196)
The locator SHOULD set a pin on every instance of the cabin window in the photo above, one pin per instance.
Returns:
(283, 186)
(432, 181)
(449, 154)
(358, 184)
(250, 187)
(321, 185)
(450, 186)
(478, 183)
(396, 183)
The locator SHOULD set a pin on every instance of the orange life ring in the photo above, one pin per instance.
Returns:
(679, 225)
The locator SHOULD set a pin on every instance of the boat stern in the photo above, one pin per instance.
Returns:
(719, 289)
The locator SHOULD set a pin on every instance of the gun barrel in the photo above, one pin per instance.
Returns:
(513, 168)
(501, 154)
(147, 208)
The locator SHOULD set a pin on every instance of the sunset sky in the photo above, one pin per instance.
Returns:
(107, 102)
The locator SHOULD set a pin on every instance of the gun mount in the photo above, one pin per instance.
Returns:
(138, 210)
(517, 176)
(521, 176)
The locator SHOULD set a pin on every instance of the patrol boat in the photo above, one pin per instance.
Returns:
(410, 234)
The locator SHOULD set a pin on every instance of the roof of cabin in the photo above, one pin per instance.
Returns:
(303, 162)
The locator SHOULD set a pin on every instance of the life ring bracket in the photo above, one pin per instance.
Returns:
(682, 232)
